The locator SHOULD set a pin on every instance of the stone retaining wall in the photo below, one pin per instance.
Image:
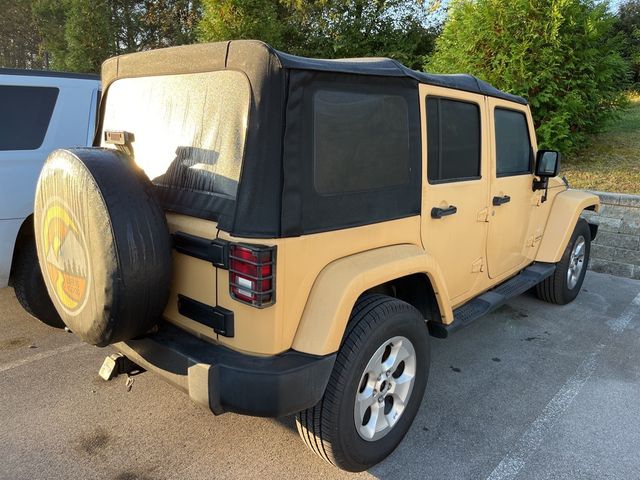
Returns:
(616, 249)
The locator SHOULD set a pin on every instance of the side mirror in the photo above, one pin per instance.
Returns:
(547, 163)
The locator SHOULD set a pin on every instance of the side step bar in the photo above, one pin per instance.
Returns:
(493, 299)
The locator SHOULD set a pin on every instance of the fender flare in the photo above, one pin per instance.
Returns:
(565, 211)
(340, 283)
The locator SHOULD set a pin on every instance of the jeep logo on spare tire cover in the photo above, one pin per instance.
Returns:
(103, 244)
(67, 264)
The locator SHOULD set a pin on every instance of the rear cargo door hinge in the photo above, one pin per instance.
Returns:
(215, 251)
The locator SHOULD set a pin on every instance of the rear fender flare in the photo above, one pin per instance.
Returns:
(340, 283)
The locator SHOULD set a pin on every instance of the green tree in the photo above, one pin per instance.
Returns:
(170, 22)
(19, 39)
(327, 28)
(352, 28)
(78, 35)
(89, 34)
(49, 17)
(268, 20)
(560, 54)
(628, 25)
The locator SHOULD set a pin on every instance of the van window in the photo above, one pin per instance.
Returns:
(453, 140)
(514, 155)
(360, 141)
(188, 129)
(25, 113)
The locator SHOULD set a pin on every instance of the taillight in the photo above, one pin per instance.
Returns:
(252, 274)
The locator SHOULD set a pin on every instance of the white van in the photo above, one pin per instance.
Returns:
(39, 112)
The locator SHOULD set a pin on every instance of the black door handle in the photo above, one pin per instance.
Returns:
(497, 201)
(443, 212)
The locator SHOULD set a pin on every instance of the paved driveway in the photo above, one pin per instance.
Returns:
(532, 391)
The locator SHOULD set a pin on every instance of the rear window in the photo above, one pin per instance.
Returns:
(361, 141)
(188, 130)
(25, 116)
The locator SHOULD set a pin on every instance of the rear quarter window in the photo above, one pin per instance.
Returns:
(360, 141)
(352, 151)
(25, 113)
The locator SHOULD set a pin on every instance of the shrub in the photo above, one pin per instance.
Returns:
(327, 28)
(628, 26)
(560, 54)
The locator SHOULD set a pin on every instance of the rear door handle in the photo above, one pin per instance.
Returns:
(443, 212)
(497, 201)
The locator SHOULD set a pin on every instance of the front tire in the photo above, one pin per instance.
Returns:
(564, 285)
(29, 286)
(375, 389)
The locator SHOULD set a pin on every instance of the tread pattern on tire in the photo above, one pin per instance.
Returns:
(312, 425)
(546, 289)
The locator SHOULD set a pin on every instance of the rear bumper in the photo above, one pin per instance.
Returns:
(224, 380)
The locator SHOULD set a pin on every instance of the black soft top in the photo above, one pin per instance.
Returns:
(276, 196)
(214, 56)
(387, 67)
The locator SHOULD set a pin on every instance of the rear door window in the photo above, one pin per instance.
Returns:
(25, 113)
(453, 140)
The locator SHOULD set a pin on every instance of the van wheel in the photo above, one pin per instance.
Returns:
(376, 386)
(564, 285)
(29, 286)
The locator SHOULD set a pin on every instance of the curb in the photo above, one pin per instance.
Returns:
(616, 249)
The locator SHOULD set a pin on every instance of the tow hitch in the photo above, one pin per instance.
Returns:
(117, 364)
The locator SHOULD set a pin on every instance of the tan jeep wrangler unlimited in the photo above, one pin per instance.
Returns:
(278, 235)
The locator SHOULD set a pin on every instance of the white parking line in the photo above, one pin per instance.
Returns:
(531, 439)
(620, 323)
(40, 356)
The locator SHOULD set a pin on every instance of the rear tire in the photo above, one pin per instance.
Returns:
(29, 286)
(342, 427)
(565, 283)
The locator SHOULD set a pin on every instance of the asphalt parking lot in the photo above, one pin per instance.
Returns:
(532, 391)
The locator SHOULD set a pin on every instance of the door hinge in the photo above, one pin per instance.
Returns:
(477, 266)
(537, 200)
(483, 215)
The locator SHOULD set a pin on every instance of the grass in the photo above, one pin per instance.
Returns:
(611, 161)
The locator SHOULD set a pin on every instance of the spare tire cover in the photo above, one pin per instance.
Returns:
(103, 244)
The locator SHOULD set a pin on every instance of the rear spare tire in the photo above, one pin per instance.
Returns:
(103, 244)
